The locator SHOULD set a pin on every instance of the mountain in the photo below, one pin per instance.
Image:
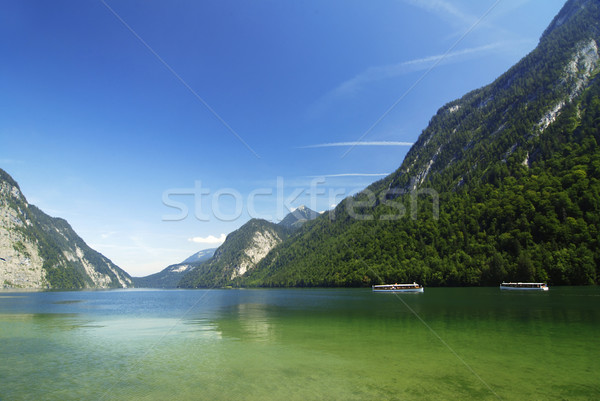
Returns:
(170, 276)
(240, 252)
(201, 256)
(503, 184)
(39, 251)
(298, 217)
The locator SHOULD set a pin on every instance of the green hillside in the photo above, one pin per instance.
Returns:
(503, 184)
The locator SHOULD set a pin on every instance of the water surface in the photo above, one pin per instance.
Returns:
(293, 344)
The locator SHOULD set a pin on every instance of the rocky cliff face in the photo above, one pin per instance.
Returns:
(39, 251)
(486, 116)
(20, 263)
(259, 246)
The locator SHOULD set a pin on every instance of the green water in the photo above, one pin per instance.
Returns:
(318, 344)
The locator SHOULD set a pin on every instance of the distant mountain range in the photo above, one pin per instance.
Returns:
(39, 251)
(242, 250)
(170, 276)
(201, 256)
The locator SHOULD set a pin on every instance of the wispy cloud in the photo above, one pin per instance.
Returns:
(350, 175)
(460, 18)
(353, 85)
(437, 61)
(369, 143)
(382, 72)
(134, 249)
(10, 161)
(444, 10)
(211, 239)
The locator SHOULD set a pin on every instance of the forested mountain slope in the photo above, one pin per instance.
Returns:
(503, 184)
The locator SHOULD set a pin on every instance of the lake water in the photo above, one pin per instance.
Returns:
(296, 344)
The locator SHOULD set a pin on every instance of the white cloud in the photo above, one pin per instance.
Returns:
(106, 235)
(211, 239)
(358, 143)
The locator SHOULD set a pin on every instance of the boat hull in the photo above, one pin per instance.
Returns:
(503, 287)
(402, 290)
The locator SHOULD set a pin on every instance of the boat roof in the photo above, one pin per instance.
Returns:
(396, 285)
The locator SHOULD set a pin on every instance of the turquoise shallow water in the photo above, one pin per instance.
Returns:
(319, 344)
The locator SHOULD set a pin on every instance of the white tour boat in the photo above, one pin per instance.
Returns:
(414, 287)
(524, 286)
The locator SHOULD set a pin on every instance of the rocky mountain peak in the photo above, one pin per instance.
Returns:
(298, 217)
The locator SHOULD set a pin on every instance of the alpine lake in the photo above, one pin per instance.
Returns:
(300, 344)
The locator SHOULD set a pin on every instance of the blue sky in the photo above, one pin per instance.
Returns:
(120, 115)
